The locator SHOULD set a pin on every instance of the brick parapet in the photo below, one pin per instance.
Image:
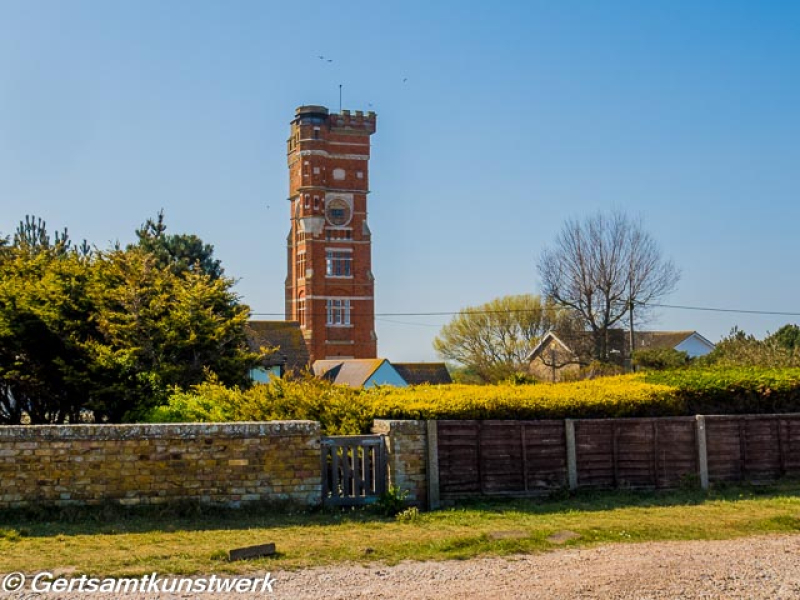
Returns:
(230, 464)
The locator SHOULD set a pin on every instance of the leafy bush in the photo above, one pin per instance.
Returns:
(621, 396)
(660, 359)
(343, 410)
(339, 410)
(733, 390)
(740, 349)
(392, 501)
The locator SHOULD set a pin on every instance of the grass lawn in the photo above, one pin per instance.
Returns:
(190, 540)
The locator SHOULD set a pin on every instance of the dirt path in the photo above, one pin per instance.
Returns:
(765, 567)
(762, 567)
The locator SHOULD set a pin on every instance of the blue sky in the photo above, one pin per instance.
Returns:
(514, 117)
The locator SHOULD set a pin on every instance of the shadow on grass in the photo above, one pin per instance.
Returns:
(112, 519)
(600, 500)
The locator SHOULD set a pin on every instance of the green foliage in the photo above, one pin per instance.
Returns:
(107, 334)
(392, 501)
(660, 359)
(343, 410)
(787, 337)
(45, 318)
(493, 340)
(733, 390)
(740, 349)
(161, 329)
(339, 409)
(178, 252)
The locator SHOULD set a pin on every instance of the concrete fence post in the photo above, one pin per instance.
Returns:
(572, 455)
(702, 450)
(433, 465)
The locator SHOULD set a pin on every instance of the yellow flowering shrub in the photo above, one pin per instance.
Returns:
(620, 396)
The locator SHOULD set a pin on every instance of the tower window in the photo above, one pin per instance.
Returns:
(316, 170)
(338, 312)
(301, 311)
(338, 174)
(316, 202)
(301, 265)
(338, 263)
(308, 201)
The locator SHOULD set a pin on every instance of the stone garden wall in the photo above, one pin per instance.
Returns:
(228, 464)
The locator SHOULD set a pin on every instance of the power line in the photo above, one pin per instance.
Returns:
(727, 310)
(526, 310)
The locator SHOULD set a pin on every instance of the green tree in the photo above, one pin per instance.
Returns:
(660, 359)
(493, 340)
(180, 252)
(45, 317)
(159, 329)
(787, 337)
(112, 332)
(740, 349)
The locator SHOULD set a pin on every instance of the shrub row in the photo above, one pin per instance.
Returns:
(735, 390)
(343, 410)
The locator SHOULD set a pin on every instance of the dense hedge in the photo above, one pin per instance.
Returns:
(620, 396)
(735, 390)
(342, 410)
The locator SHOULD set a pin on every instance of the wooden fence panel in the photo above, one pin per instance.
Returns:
(502, 469)
(761, 448)
(789, 428)
(725, 451)
(635, 456)
(459, 453)
(594, 450)
(635, 453)
(675, 451)
(529, 457)
(500, 457)
(545, 455)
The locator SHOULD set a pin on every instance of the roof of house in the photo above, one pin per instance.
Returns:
(420, 373)
(286, 336)
(653, 340)
(581, 342)
(354, 372)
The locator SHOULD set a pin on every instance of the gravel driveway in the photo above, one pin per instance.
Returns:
(758, 567)
(762, 567)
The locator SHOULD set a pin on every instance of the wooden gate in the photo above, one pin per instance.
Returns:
(353, 469)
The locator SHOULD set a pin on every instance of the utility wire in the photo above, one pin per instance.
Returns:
(524, 310)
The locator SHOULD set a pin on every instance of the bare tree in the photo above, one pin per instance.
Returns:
(605, 267)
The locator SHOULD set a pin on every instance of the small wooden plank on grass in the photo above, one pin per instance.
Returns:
(251, 552)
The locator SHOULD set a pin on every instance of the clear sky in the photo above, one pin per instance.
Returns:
(513, 117)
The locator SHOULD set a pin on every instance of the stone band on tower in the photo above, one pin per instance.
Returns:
(329, 283)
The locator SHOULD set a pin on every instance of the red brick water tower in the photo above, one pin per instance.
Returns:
(329, 283)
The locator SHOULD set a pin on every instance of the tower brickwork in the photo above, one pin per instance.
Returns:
(329, 284)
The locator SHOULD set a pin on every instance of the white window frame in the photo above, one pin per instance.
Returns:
(341, 258)
(338, 313)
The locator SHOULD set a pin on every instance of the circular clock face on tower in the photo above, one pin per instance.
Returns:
(337, 212)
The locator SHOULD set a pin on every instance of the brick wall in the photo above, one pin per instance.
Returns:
(406, 448)
(227, 464)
